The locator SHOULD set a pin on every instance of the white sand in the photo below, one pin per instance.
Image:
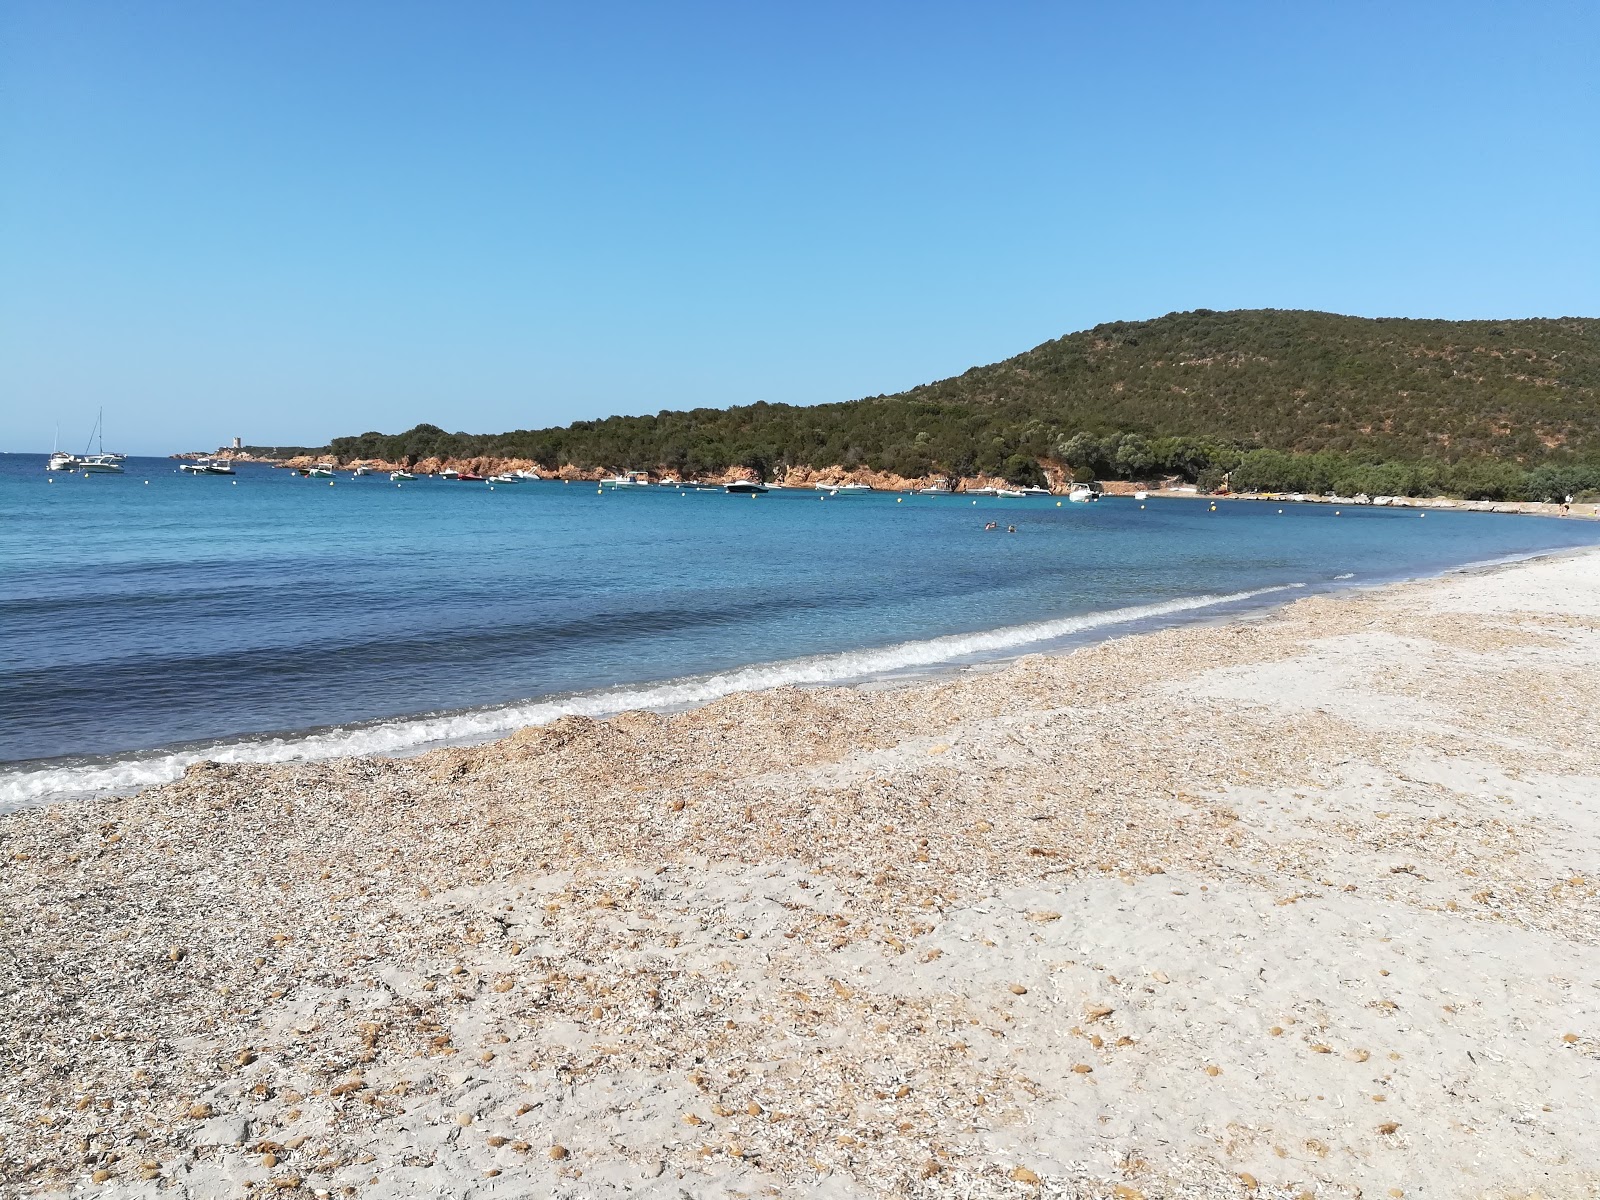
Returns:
(1302, 905)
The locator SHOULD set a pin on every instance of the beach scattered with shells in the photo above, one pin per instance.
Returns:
(1305, 904)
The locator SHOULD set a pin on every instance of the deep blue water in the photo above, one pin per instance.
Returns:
(154, 610)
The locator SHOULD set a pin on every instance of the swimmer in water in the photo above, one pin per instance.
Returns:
(1011, 528)
(991, 525)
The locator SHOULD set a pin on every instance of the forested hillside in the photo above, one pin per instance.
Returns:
(1284, 400)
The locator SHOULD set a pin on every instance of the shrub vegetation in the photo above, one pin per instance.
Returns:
(1275, 400)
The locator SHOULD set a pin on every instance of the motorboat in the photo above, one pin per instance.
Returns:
(402, 477)
(470, 477)
(449, 473)
(505, 478)
(983, 491)
(1083, 495)
(321, 471)
(1141, 495)
(1035, 491)
(62, 461)
(745, 487)
(1010, 493)
(363, 469)
(207, 466)
(834, 489)
(627, 479)
(527, 476)
(104, 464)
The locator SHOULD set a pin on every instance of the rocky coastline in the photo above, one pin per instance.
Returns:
(1060, 482)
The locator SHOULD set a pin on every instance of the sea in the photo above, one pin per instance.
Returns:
(153, 619)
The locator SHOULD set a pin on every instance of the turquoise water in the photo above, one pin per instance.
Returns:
(153, 618)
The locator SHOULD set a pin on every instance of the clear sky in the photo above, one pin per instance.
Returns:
(291, 220)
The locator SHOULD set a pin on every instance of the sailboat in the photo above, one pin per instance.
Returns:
(100, 461)
(60, 460)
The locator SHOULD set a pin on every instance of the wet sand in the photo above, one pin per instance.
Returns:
(1301, 904)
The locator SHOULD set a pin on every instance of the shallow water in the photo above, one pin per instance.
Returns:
(153, 618)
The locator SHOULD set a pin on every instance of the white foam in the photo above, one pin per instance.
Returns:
(407, 735)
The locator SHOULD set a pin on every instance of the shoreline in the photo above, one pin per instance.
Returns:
(1059, 483)
(125, 773)
(1301, 903)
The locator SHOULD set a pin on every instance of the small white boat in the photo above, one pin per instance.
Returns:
(449, 473)
(506, 478)
(363, 469)
(321, 471)
(627, 479)
(1035, 491)
(983, 491)
(402, 476)
(527, 476)
(1010, 493)
(101, 462)
(207, 466)
(1083, 495)
(936, 490)
(1141, 495)
(745, 487)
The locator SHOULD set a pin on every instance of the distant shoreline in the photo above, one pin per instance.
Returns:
(802, 477)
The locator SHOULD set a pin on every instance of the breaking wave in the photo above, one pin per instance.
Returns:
(27, 784)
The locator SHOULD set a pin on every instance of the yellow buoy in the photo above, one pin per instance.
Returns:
(900, 500)
(1058, 504)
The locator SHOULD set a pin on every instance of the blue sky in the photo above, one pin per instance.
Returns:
(291, 220)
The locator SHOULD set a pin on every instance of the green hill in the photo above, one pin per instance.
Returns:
(1285, 400)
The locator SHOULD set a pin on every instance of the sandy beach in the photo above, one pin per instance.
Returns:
(1301, 904)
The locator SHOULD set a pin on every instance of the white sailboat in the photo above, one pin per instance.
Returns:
(99, 462)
